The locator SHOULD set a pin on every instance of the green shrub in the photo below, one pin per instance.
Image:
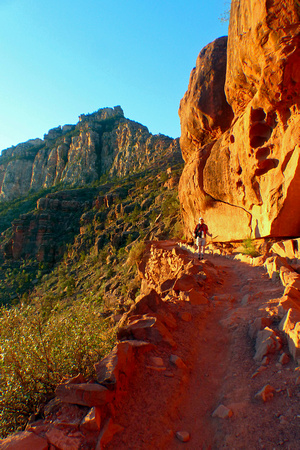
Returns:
(249, 248)
(136, 253)
(36, 353)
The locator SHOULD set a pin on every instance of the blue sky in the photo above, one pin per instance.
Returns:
(63, 58)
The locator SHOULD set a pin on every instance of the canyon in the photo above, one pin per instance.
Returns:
(206, 352)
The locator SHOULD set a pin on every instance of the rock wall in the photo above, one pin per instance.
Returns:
(104, 142)
(246, 180)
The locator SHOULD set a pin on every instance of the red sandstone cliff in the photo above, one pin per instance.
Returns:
(243, 175)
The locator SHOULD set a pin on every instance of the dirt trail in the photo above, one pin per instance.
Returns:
(218, 353)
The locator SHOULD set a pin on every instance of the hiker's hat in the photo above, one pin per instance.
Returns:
(201, 218)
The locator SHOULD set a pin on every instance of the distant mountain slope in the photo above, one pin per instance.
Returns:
(104, 142)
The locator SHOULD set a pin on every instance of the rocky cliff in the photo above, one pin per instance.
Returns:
(104, 142)
(240, 132)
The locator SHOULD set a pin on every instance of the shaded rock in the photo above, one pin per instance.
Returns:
(185, 283)
(183, 436)
(24, 440)
(86, 394)
(266, 342)
(261, 369)
(194, 296)
(109, 430)
(284, 359)
(121, 360)
(222, 412)
(275, 263)
(177, 361)
(146, 329)
(290, 325)
(157, 361)
(63, 440)
(91, 422)
(289, 277)
(186, 316)
(259, 324)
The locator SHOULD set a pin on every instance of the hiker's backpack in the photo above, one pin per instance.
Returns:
(199, 228)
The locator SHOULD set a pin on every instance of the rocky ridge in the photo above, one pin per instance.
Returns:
(242, 151)
(104, 221)
(189, 301)
(104, 142)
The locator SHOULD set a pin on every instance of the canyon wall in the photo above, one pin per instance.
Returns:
(240, 131)
(104, 142)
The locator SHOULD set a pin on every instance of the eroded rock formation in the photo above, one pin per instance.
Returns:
(246, 181)
(104, 142)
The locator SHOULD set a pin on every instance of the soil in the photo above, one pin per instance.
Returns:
(218, 353)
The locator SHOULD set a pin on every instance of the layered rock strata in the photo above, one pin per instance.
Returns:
(246, 180)
(104, 142)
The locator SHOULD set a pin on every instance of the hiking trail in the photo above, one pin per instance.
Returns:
(218, 354)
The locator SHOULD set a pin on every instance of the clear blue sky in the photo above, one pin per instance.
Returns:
(63, 58)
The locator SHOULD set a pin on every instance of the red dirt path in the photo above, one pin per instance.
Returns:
(218, 353)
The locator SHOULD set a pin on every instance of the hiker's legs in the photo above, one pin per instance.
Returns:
(198, 243)
(203, 243)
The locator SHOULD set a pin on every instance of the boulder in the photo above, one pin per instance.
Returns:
(274, 264)
(266, 342)
(91, 422)
(146, 328)
(289, 278)
(185, 283)
(85, 394)
(287, 249)
(24, 440)
(290, 325)
(259, 324)
(204, 111)
(195, 297)
(121, 360)
(63, 440)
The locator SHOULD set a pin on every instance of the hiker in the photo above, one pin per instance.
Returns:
(200, 233)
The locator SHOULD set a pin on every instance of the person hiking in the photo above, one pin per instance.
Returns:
(200, 233)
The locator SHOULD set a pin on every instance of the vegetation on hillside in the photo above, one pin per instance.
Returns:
(59, 320)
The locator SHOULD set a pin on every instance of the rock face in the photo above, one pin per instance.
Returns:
(204, 111)
(246, 180)
(104, 142)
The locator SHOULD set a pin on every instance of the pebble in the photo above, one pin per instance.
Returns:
(266, 393)
(169, 374)
(259, 370)
(177, 361)
(265, 361)
(183, 436)
(157, 361)
(284, 359)
(186, 316)
(222, 412)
